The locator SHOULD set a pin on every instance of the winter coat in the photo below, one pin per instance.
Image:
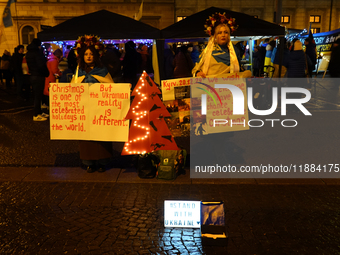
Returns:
(183, 65)
(111, 61)
(296, 64)
(131, 62)
(310, 52)
(16, 63)
(168, 64)
(334, 63)
(257, 60)
(5, 60)
(276, 54)
(36, 61)
(263, 53)
(195, 54)
(146, 60)
(52, 65)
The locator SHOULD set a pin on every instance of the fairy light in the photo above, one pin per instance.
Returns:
(138, 116)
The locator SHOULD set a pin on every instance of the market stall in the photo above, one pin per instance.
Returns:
(249, 28)
(103, 23)
(111, 27)
(191, 29)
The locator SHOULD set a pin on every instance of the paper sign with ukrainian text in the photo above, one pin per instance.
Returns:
(89, 111)
(219, 104)
(176, 89)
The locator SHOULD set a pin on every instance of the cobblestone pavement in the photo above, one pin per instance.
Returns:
(114, 218)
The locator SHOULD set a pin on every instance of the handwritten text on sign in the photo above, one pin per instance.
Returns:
(89, 112)
(168, 87)
(220, 103)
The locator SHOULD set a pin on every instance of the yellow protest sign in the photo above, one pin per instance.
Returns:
(89, 111)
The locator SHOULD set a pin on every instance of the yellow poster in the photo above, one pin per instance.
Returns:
(176, 89)
(219, 105)
(89, 111)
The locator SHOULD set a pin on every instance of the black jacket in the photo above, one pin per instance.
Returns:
(16, 63)
(36, 61)
(296, 64)
(334, 63)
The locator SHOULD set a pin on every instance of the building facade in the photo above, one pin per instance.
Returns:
(32, 16)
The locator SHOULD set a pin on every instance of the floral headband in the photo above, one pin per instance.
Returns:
(88, 40)
(217, 19)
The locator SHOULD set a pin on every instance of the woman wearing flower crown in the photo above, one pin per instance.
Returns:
(95, 155)
(219, 57)
(90, 68)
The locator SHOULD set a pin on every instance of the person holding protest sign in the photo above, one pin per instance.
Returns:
(220, 57)
(95, 155)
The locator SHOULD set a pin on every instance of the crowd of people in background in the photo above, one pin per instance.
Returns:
(41, 65)
(296, 61)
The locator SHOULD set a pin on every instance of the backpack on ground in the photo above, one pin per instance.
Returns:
(171, 164)
(147, 165)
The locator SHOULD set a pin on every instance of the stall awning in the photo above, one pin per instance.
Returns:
(249, 27)
(105, 24)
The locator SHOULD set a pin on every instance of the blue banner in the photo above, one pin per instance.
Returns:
(6, 16)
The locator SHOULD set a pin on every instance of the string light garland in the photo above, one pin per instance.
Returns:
(292, 37)
(117, 44)
(148, 131)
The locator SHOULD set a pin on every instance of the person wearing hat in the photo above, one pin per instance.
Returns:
(95, 155)
(36, 63)
(220, 57)
(334, 63)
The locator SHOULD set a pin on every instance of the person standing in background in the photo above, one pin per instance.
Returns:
(263, 51)
(195, 54)
(311, 53)
(5, 67)
(52, 65)
(131, 62)
(111, 61)
(168, 62)
(257, 61)
(334, 63)
(36, 63)
(182, 63)
(16, 69)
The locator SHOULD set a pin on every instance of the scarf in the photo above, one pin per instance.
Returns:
(207, 54)
(95, 71)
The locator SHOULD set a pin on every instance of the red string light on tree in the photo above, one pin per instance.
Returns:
(148, 131)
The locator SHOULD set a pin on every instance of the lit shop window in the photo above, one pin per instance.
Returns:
(285, 19)
(315, 18)
(315, 30)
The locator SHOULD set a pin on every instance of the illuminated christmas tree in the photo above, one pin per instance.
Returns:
(148, 131)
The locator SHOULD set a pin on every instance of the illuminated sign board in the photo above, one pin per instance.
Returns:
(182, 214)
